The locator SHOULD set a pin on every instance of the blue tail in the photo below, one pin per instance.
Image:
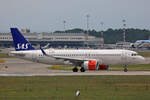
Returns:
(20, 42)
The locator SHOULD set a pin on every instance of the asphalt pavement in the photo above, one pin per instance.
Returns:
(20, 67)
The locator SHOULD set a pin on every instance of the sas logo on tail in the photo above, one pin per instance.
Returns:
(22, 46)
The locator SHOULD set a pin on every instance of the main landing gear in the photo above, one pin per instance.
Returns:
(75, 69)
(82, 69)
(125, 68)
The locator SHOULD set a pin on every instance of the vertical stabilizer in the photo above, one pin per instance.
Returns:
(20, 42)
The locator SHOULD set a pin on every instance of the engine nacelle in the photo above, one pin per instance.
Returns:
(90, 65)
(94, 65)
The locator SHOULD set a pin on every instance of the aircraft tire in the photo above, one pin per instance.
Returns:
(125, 69)
(75, 69)
(82, 69)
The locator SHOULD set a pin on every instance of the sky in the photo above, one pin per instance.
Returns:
(48, 15)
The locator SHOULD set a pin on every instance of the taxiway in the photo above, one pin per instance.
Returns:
(19, 67)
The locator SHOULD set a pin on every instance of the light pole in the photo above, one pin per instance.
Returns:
(87, 31)
(64, 22)
(124, 30)
(102, 34)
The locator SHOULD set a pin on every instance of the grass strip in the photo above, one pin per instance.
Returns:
(64, 87)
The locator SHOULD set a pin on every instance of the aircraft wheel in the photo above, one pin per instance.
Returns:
(75, 69)
(82, 69)
(125, 69)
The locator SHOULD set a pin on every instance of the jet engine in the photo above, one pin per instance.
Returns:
(94, 65)
(90, 65)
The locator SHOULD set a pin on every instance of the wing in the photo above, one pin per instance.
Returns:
(73, 60)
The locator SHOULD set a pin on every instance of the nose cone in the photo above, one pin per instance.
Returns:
(141, 60)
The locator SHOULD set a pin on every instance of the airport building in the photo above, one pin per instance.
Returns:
(56, 40)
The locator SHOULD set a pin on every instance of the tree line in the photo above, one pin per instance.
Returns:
(114, 35)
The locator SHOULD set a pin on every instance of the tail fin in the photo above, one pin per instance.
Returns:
(20, 42)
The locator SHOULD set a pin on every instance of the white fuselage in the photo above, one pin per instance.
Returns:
(104, 57)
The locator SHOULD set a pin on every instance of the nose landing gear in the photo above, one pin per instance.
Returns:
(125, 68)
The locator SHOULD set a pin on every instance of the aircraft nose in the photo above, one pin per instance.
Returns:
(141, 59)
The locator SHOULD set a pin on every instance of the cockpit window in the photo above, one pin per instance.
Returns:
(134, 54)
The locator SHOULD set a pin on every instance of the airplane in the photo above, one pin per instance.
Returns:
(141, 44)
(87, 59)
